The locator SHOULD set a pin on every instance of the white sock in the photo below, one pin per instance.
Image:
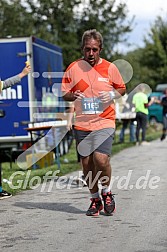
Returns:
(95, 195)
(106, 189)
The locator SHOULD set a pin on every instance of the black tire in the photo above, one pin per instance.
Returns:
(66, 146)
(61, 148)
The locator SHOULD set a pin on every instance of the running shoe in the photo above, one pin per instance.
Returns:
(109, 203)
(95, 207)
(5, 195)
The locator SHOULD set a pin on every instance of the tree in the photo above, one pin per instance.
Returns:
(63, 22)
(154, 53)
(54, 20)
(150, 62)
(14, 19)
(109, 19)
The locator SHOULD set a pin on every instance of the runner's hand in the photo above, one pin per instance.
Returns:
(78, 95)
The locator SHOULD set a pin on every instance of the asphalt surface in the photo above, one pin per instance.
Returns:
(54, 219)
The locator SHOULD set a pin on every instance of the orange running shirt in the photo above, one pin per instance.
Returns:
(91, 114)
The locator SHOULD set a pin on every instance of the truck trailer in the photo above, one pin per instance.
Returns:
(36, 100)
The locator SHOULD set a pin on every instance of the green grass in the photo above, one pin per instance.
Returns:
(15, 174)
(27, 178)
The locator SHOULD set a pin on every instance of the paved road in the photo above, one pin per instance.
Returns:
(56, 220)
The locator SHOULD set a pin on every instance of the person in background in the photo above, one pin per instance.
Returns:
(3, 85)
(125, 124)
(141, 103)
(128, 120)
(93, 84)
(163, 103)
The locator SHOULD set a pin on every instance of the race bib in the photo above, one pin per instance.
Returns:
(91, 106)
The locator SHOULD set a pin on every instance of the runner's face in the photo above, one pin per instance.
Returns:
(91, 51)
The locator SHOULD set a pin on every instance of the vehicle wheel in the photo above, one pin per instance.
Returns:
(66, 147)
(61, 148)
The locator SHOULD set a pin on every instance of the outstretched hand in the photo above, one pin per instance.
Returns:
(26, 70)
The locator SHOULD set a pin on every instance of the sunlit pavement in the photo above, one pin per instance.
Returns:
(56, 220)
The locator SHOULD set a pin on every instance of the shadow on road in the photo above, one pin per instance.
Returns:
(61, 207)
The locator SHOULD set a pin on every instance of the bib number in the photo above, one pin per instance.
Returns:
(91, 106)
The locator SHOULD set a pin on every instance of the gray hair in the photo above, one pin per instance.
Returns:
(89, 34)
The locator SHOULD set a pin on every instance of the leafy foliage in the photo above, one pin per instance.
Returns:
(109, 20)
(15, 21)
(63, 22)
(150, 63)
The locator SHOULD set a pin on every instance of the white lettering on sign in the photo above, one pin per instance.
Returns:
(11, 93)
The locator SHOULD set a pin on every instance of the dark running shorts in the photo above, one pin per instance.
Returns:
(91, 141)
